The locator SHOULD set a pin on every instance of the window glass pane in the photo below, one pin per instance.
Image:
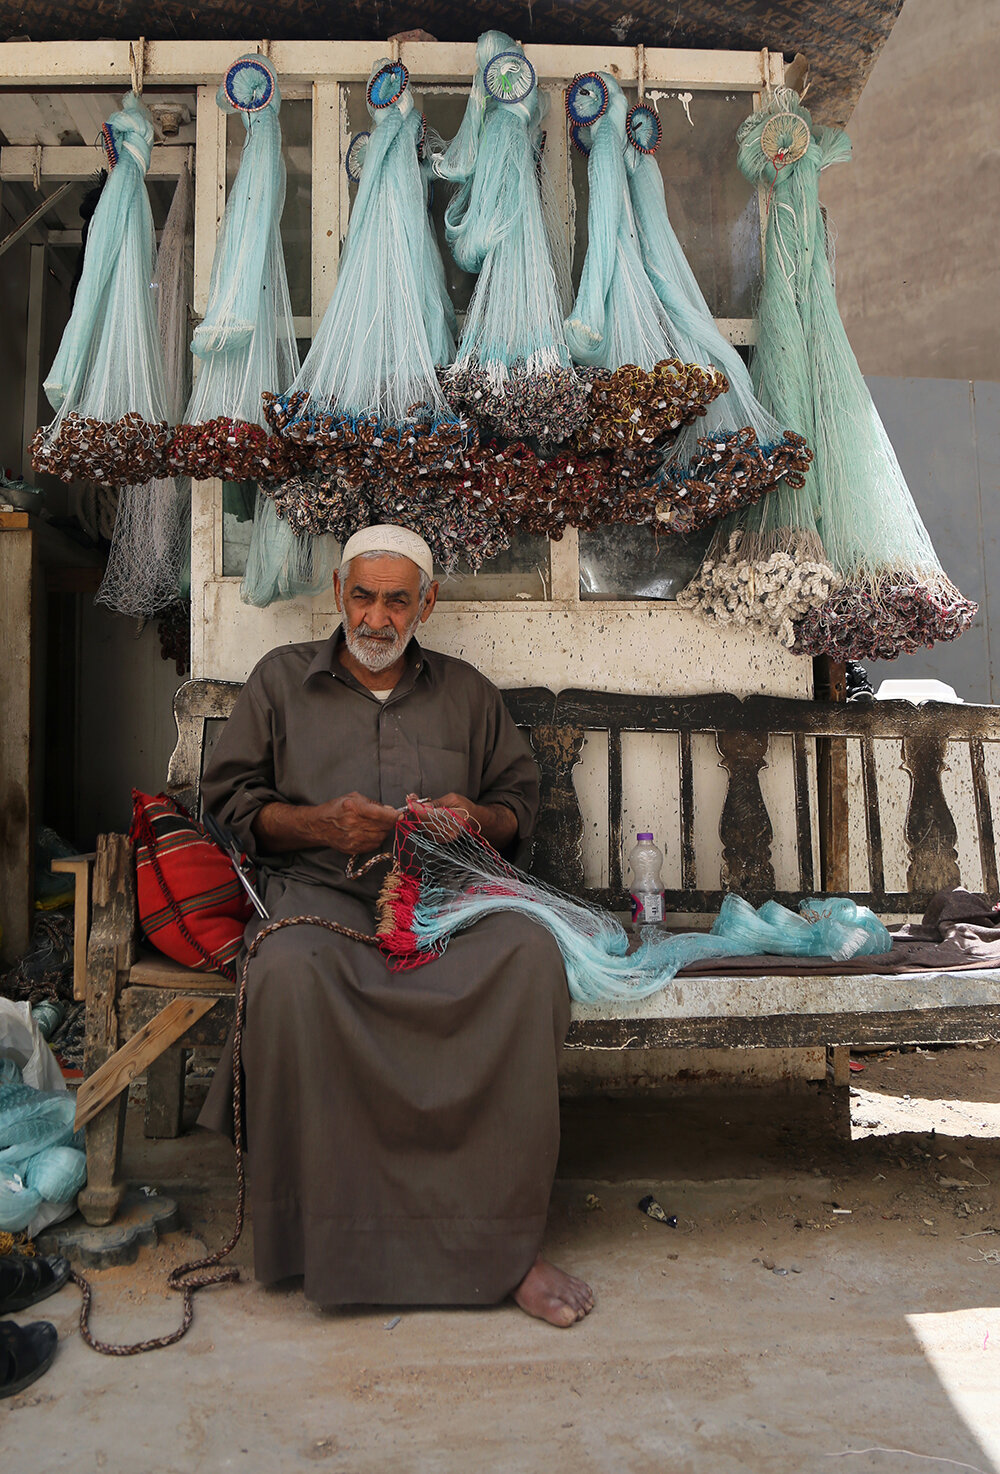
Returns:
(522, 572)
(635, 563)
(296, 218)
(712, 208)
(238, 499)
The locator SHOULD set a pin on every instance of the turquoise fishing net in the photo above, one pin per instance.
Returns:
(445, 878)
(39, 1162)
(512, 369)
(895, 595)
(696, 450)
(106, 383)
(366, 407)
(368, 383)
(282, 564)
(246, 342)
(737, 442)
(150, 545)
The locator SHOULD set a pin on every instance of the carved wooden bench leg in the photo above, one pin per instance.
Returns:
(109, 956)
(165, 1093)
(101, 1198)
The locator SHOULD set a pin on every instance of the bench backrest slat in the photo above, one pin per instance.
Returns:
(744, 733)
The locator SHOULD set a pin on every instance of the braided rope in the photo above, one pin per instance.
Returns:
(187, 1279)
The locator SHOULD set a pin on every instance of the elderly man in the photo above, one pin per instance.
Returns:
(402, 1129)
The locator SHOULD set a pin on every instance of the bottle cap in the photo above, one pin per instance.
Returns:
(644, 836)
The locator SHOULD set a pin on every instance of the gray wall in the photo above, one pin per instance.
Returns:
(946, 433)
(917, 212)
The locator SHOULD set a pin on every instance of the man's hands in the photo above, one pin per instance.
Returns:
(496, 822)
(353, 825)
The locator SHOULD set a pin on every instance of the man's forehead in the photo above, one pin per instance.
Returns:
(379, 572)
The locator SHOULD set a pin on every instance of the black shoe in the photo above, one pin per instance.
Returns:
(24, 1282)
(25, 1353)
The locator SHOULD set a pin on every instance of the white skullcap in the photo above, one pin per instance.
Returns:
(386, 537)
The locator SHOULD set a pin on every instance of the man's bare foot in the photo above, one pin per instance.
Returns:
(553, 1295)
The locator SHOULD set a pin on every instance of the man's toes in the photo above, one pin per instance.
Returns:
(561, 1314)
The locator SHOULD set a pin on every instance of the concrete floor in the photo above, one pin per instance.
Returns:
(765, 1332)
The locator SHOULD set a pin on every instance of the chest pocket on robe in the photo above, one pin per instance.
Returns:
(443, 770)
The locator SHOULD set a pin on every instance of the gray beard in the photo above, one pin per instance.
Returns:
(376, 653)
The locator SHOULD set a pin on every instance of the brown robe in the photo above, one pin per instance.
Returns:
(402, 1128)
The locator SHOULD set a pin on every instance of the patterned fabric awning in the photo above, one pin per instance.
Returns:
(840, 38)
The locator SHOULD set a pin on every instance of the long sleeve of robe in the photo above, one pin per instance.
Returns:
(402, 1128)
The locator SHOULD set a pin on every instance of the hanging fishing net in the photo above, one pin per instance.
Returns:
(445, 877)
(150, 543)
(737, 451)
(766, 567)
(106, 383)
(366, 402)
(246, 342)
(648, 380)
(894, 596)
(512, 371)
(383, 443)
(280, 563)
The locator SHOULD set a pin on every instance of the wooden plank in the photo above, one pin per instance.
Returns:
(803, 813)
(118, 1072)
(165, 1093)
(33, 354)
(792, 1031)
(13, 521)
(689, 878)
(153, 970)
(79, 867)
(615, 844)
(45, 64)
(330, 201)
(17, 866)
(873, 816)
(78, 161)
(110, 952)
(984, 819)
(140, 1006)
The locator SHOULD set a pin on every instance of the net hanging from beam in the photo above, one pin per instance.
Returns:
(246, 341)
(853, 529)
(366, 408)
(106, 384)
(148, 557)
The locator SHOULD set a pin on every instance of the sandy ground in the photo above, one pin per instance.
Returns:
(818, 1296)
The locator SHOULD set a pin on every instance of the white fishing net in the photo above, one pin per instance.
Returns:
(149, 547)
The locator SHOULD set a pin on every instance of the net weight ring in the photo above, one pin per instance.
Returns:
(784, 139)
(587, 99)
(509, 76)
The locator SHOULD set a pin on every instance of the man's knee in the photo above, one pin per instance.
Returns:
(295, 959)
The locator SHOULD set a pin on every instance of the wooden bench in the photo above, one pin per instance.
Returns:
(144, 1012)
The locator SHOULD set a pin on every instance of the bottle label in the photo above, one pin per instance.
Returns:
(647, 907)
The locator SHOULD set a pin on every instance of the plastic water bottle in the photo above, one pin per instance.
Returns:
(647, 884)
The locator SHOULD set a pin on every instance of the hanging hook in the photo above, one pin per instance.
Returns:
(36, 169)
(640, 71)
(137, 64)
